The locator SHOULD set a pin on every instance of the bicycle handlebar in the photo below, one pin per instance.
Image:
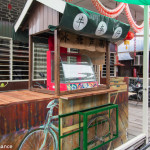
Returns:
(53, 103)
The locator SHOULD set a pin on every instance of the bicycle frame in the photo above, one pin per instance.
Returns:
(50, 127)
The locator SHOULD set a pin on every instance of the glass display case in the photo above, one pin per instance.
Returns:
(77, 68)
(76, 72)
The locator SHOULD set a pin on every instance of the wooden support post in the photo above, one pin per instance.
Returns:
(57, 63)
(30, 62)
(107, 65)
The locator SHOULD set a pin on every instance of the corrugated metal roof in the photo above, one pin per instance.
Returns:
(139, 45)
(6, 29)
(124, 56)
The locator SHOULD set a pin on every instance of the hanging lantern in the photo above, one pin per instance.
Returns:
(127, 39)
(9, 6)
(126, 42)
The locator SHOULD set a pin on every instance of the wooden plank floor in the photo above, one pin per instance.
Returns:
(12, 97)
(135, 119)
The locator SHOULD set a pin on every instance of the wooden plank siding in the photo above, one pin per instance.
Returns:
(22, 110)
(41, 18)
(71, 103)
(71, 123)
(76, 105)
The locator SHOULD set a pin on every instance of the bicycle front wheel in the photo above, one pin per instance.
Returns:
(34, 139)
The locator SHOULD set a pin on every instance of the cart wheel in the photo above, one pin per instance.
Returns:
(34, 139)
(103, 132)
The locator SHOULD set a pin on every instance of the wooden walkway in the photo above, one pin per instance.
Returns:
(135, 119)
(13, 97)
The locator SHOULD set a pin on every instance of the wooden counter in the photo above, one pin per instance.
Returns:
(23, 96)
(86, 94)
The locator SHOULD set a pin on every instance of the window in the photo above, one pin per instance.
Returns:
(5, 59)
(20, 61)
(97, 72)
(73, 50)
(112, 67)
(39, 60)
(14, 59)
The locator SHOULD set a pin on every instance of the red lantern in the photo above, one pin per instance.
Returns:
(9, 6)
(130, 36)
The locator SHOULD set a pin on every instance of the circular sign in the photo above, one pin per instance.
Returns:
(101, 29)
(80, 21)
(117, 33)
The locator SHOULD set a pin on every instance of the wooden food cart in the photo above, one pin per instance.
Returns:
(91, 116)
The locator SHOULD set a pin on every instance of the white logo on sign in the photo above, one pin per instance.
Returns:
(80, 21)
(117, 33)
(101, 29)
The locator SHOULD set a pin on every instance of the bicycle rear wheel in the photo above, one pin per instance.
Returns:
(34, 139)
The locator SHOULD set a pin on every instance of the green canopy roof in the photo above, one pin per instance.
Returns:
(87, 23)
(136, 2)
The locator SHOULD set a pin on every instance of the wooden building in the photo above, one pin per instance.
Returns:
(10, 56)
(108, 100)
(16, 73)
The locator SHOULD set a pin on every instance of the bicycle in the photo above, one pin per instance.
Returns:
(44, 137)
